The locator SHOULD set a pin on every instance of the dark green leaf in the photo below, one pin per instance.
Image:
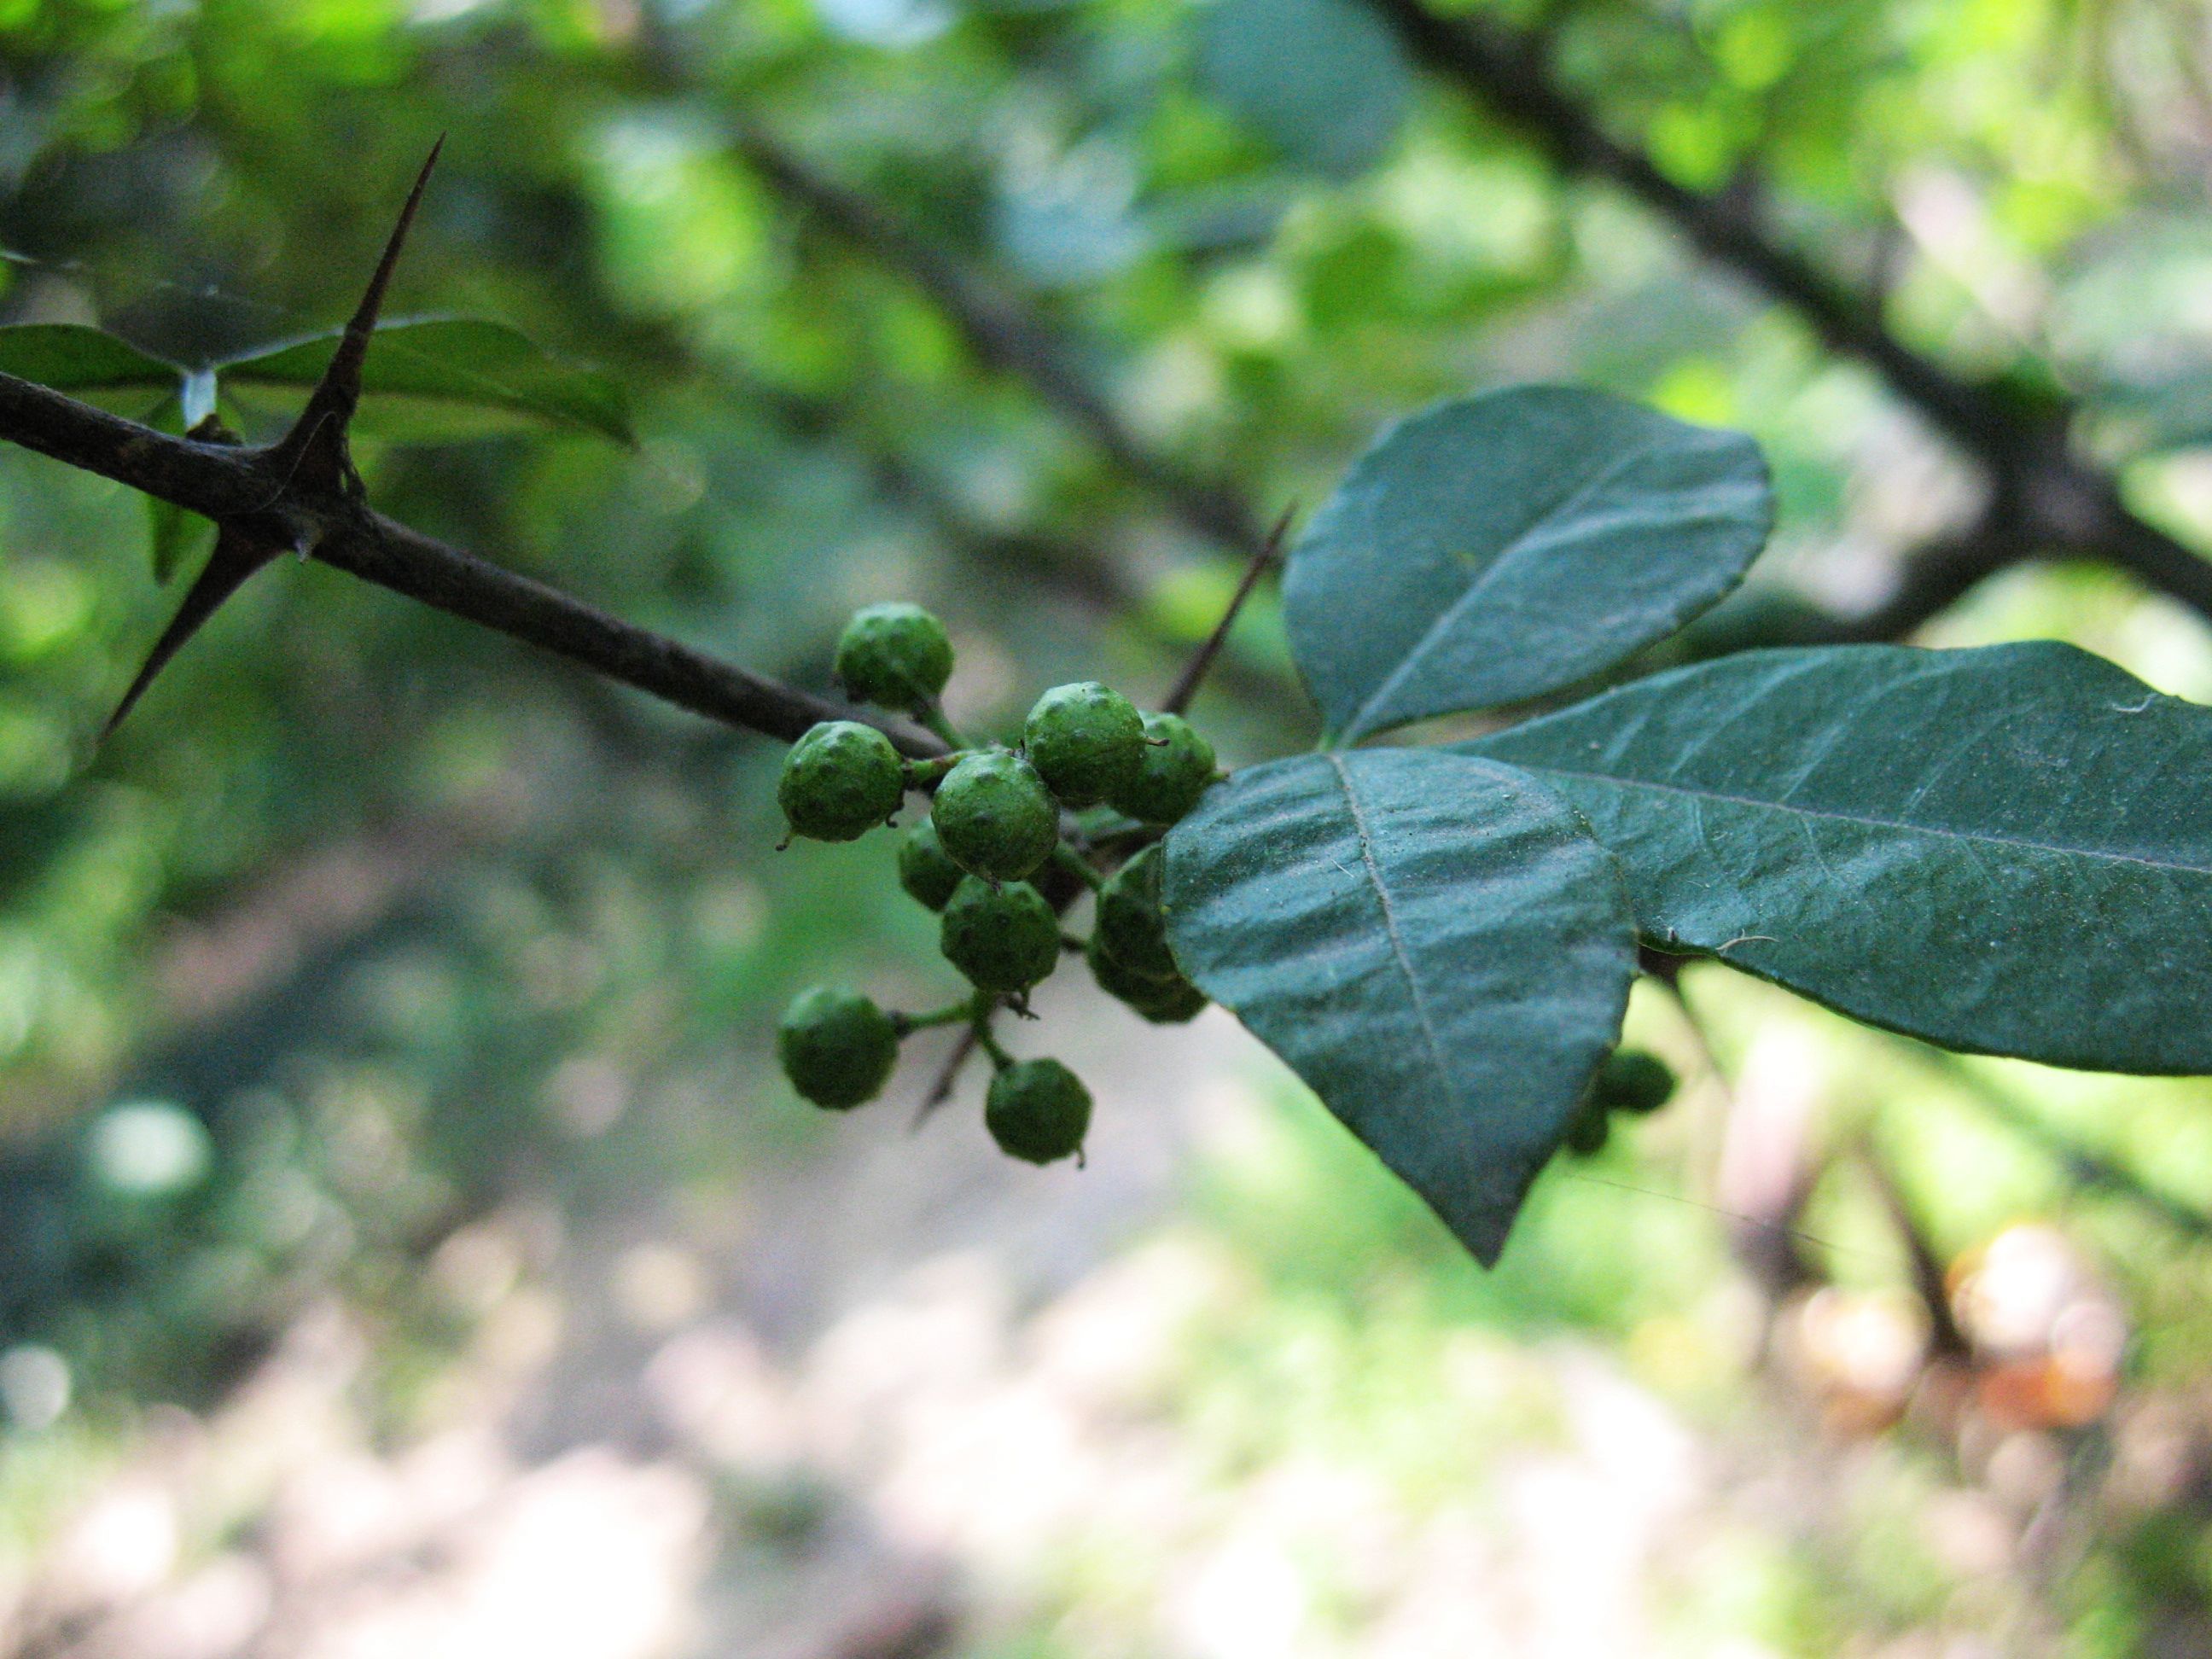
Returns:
(1435, 945)
(1325, 80)
(445, 378)
(2004, 850)
(1496, 548)
(71, 357)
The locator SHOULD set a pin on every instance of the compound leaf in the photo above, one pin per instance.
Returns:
(448, 377)
(1496, 548)
(1435, 945)
(2004, 850)
(88, 362)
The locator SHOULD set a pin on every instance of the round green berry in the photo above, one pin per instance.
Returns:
(1169, 1001)
(1587, 1133)
(836, 1047)
(1174, 770)
(1037, 1111)
(1631, 1080)
(1003, 939)
(1130, 926)
(1085, 741)
(894, 655)
(840, 781)
(925, 870)
(994, 816)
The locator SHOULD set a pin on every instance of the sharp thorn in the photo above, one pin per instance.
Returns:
(338, 393)
(235, 560)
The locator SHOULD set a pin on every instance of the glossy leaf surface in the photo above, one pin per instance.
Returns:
(1496, 548)
(2005, 850)
(1435, 945)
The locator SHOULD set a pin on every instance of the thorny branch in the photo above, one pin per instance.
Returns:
(302, 493)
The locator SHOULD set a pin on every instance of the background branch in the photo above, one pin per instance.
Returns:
(1009, 338)
(2061, 504)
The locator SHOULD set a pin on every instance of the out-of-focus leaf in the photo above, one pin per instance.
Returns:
(72, 357)
(1325, 80)
(2158, 414)
(2003, 850)
(447, 378)
(1436, 945)
(1496, 548)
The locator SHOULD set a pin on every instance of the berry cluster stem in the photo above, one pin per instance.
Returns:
(1077, 865)
(984, 1008)
(951, 1014)
(926, 774)
(932, 717)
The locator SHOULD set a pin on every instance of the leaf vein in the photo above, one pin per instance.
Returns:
(1398, 952)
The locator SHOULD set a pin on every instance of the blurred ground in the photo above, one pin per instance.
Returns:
(892, 1395)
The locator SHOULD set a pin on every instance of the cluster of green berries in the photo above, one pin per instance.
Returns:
(1089, 770)
(1630, 1081)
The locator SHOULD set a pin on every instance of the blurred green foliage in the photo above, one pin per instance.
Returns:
(368, 920)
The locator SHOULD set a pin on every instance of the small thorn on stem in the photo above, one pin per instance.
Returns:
(1185, 686)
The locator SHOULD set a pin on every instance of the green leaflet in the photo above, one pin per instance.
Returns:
(1496, 548)
(71, 357)
(2004, 850)
(1435, 945)
(449, 377)
(1326, 80)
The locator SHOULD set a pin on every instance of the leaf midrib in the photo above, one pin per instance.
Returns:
(1449, 616)
(1832, 815)
(1399, 954)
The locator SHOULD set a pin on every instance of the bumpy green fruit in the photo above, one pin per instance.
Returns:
(995, 818)
(1169, 1001)
(894, 655)
(1037, 1111)
(1003, 939)
(1177, 767)
(836, 1047)
(925, 870)
(1631, 1080)
(840, 781)
(1130, 927)
(1086, 741)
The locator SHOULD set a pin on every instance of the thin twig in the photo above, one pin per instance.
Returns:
(1946, 1340)
(1185, 686)
(234, 484)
